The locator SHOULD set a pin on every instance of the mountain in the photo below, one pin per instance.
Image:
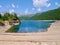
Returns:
(26, 17)
(48, 15)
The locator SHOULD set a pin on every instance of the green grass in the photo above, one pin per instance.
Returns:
(13, 29)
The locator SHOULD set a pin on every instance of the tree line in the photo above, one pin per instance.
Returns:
(8, 17)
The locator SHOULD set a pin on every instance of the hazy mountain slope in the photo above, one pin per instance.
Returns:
(49, 15)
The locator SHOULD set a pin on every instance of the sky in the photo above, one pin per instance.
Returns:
(28, 6)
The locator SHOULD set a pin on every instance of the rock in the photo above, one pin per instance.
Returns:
(2, 24)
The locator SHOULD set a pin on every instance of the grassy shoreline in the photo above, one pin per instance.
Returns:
(13, 29)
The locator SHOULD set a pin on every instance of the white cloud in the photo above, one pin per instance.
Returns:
(11, 11)
(26, 11)
(39, 10)
(49, 5)
(57, 4)
(13, 5)
(40, 3)
(33, 9)
(0, 6)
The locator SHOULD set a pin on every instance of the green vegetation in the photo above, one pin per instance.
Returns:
(48, 15)
(13, 29)
(8, 17)
(12, 19)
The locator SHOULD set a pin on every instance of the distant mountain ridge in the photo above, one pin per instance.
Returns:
(48, 15)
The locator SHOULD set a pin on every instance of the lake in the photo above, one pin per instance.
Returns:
(34, 26)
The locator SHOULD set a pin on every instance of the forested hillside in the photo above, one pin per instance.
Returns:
(49, 15)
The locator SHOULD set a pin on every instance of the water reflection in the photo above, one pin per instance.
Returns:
(34, 26)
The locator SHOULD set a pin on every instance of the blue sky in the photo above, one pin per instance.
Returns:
(28, 6)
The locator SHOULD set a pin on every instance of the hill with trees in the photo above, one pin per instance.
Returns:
(48, 15)
(11, 20)
(8, 17)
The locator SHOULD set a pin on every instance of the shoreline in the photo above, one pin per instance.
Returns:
(4, 28)
(13, 29)
(8, 27)
(51, 37)
(55, 27)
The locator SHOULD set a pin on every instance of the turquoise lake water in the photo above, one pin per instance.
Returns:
(34, 26)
